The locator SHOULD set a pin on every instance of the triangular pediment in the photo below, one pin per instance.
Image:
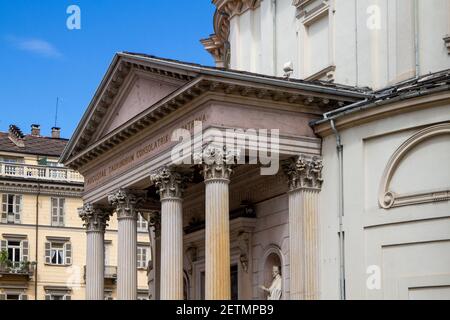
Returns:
(139, 92)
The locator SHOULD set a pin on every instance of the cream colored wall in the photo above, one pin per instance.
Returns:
(410, 244)
(66, 276)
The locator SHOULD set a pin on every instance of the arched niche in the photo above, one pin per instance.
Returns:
(418, 170)
(272, 257)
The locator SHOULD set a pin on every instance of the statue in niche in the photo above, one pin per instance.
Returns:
(275, 289)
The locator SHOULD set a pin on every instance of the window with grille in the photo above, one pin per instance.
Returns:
(11, 208)
(58, 205)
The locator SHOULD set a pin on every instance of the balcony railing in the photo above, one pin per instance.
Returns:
(17, 268)
(44, 173)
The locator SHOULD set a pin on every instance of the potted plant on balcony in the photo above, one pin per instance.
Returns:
(3, 260)
(25, 266)
(5, 264)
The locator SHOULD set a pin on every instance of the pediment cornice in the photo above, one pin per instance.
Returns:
(198, 82)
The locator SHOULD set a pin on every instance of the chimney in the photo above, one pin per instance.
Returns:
(35, 130)
(56, 133)
(16, 136)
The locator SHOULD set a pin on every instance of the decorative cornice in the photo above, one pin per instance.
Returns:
(82, 149)
(44, 189)
(218, 49)
(217, 163)
(95, 218)
(226, 10)
(169, 183)
(126, 203)
(304, 173)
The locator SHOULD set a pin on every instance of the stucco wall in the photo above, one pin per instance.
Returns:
(370, 42)
(410, 244)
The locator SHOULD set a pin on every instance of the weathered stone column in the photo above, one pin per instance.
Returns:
(126, 204)
(217, 172)
(170, 185)
(305, 182)
(95, 220)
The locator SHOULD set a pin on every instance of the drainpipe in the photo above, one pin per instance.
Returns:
(340, 154)
(416, 37)
(36, 243)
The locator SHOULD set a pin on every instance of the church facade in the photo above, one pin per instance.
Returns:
(260, 185)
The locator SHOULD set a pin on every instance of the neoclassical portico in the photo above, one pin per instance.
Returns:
(222, 220)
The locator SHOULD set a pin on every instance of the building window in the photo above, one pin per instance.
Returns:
(57, 293)
(11, 208)
(107, 253)
(142, 224)
(142, 257)
(13, 296)
(58, 205)
(58, 253)
(57, 296)
(17, 251)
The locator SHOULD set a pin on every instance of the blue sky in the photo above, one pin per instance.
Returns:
(41, 59)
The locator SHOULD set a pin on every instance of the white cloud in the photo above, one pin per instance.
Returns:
(36, 46)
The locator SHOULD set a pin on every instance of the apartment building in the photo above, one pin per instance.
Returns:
(43, 241)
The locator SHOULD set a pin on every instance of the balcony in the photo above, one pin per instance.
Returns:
(110, 274)
(16, 270)
(41, 173)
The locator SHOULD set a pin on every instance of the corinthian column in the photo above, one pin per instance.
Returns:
(305, 182)
(125, 204)
(170, 186)
(217, 172)
(95, 220)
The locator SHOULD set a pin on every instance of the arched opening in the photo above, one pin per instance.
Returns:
(272, 259)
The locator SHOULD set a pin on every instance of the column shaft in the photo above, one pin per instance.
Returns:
(304, 244)
(127, 259)
(218, 285)
(95, 219)
(171, 249)
(95, 266)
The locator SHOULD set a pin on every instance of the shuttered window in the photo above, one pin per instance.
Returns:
(11, 208)
(58, 208)
(58, 253)
(142, 257)
(18, 251)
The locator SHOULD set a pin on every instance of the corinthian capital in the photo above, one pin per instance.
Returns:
(217, 163)
(304, 173)
(169, 183)
(94, 218)
(126, 203)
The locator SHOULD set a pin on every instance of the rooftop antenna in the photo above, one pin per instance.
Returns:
(56, 112)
